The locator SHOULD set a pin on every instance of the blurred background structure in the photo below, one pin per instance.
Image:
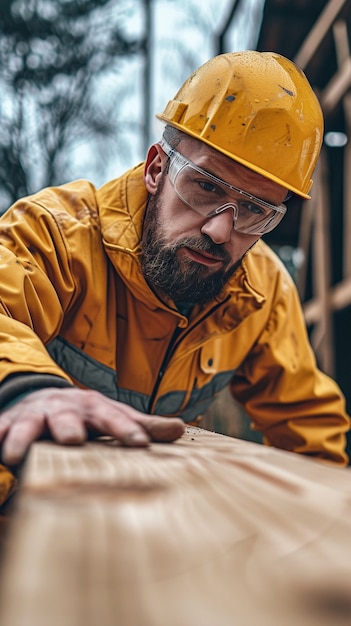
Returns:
(317, 36)
(81, 81)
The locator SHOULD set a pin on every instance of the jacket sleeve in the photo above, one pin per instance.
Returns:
(290, 401)
(38, 287)
(7, 484)
(39, 282)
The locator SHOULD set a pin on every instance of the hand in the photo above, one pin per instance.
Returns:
(69, 414)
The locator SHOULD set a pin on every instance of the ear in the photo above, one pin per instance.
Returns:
(153, 167)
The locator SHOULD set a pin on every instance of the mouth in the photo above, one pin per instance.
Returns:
(202, 257)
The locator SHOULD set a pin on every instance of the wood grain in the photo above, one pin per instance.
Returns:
(208, 531)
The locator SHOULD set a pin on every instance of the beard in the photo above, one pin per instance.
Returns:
(185, 281)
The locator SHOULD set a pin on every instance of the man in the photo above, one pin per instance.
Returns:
(126, 309)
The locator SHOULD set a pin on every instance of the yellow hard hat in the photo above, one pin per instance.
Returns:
(257, 108)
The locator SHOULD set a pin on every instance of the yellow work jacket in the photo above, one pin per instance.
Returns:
(74, 303)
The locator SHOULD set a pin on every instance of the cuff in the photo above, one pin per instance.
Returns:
(17, 386)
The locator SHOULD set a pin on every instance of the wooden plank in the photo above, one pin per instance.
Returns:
(208, 531)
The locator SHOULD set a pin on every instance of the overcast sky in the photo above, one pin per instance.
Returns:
(182, 38)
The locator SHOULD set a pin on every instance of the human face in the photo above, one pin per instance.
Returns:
(186, 255)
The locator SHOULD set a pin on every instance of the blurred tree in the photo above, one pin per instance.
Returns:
(58, 62)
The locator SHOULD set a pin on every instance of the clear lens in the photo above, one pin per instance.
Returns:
(208, 195)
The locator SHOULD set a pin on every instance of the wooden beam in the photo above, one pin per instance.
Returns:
(339, 296)
(342, 47)
(208, 531)
(341, 39)
(318, 32)
(337, 87)
(322, 334)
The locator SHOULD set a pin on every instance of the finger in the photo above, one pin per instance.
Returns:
(131, 435)
(163, 429)
(140, 429)
(67, 428)
(120, 426)
(19, 438)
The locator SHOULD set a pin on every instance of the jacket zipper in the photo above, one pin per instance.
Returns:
(169, 352)
(163, 367)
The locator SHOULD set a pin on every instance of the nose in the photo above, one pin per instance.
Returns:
(219, 227)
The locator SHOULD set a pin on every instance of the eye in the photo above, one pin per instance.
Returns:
(211, 188)
(253, 208)
(208, 186)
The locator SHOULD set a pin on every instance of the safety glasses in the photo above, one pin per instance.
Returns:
(208, 195)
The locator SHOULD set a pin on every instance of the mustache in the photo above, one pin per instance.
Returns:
(202, 244)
